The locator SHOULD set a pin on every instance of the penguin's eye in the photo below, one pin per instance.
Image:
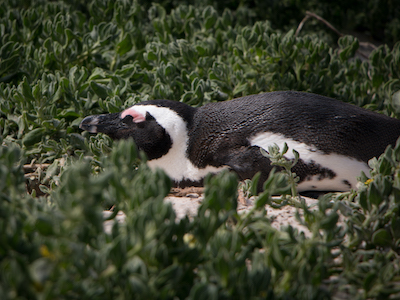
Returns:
(128, 120)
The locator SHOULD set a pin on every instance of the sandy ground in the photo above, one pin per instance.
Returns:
(189, 204)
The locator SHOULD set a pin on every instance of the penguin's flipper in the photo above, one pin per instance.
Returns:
(247, 161)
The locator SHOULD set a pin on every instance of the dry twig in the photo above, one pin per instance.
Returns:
(313, 15)
(319, 18)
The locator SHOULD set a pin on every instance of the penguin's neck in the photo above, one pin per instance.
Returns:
(176, 162)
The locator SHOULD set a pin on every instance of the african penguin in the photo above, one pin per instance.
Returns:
(335, 140)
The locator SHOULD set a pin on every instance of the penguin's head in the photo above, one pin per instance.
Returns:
(153, 125)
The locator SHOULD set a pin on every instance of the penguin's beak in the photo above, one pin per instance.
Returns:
(90, 124)
(110, 124)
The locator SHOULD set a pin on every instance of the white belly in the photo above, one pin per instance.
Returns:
(346, 169)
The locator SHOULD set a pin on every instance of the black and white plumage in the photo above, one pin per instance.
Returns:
(335, 140)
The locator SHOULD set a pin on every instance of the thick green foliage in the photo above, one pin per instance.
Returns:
(63, 60)
(56, 247)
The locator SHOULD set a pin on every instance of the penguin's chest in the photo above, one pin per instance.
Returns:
(319, 171)
(179, 167)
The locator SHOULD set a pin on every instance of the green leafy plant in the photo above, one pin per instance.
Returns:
(278, 158)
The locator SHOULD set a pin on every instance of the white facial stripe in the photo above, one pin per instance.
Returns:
(175, 163)
(345, 168)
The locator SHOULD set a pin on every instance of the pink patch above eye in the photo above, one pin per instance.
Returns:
(137, 116)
